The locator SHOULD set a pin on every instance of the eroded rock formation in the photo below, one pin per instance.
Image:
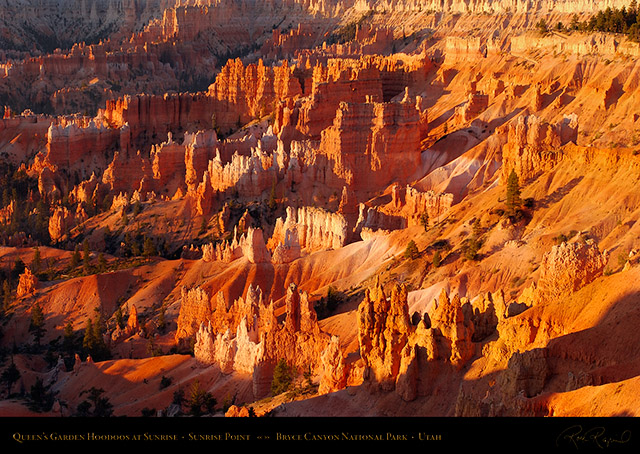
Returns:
(566, 268)
(308, 228)
(247, 337)
(27, 284)
(250, 245)
(534, 146)
(396, 351)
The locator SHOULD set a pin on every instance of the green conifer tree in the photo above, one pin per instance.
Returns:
(6, 295)
(37, 322)
(437, 259)
(86, 256)
(36, 263)
(424, 221)
(282, 378)
(10, 375)
(513, 200)
(411, 252)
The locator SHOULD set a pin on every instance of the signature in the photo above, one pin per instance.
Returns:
(578, 437)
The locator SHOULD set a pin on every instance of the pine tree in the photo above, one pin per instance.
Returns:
(41, 399)
(37, 323)
(575, 23)
(100, 350)
(472, 248)
(411, 252)
(200, 399)
(513, 201)
(162, 323)
(424, 220)
(102, 263)
(68, 339)
(203, 226)
(36, 263)
(10, 375)
(101, 405)
(282, 378)
(476, 229)
(6, 295)
(119, 318)
(75, 258)
(178, 397)
(333, 299)
(437, 260)
(87, 341)
(542, 27)
(149, 248)
(41, 230)
(86, 257)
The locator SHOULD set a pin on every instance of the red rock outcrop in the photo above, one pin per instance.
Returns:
(153, 116)
(60, 222)
(396, 350)
(533, 146)
(244, 93)
(288, 249)
(168, 164)
(383, 332)
(79, 142)
(22, 136)
(248, 176)
(371, 144)
(6, 213)
(331, 86)
(199, 150)
(27, 284)
(411, 204)
(366, 79)
(247, 337)
(250, 245)
(459, 48)
(527, 372)
(195, 307)
(475, 105)
(565, 269)
(131, 328)
(126, 173)
(88, 192)
(309, 228)
(449, 319)
(375, 219)
(334, 368)
(132, 321)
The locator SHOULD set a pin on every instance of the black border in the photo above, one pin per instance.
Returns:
(555, 434)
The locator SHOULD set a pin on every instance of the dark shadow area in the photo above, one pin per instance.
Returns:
(603, 354)
(497, 122)
(558, 194)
